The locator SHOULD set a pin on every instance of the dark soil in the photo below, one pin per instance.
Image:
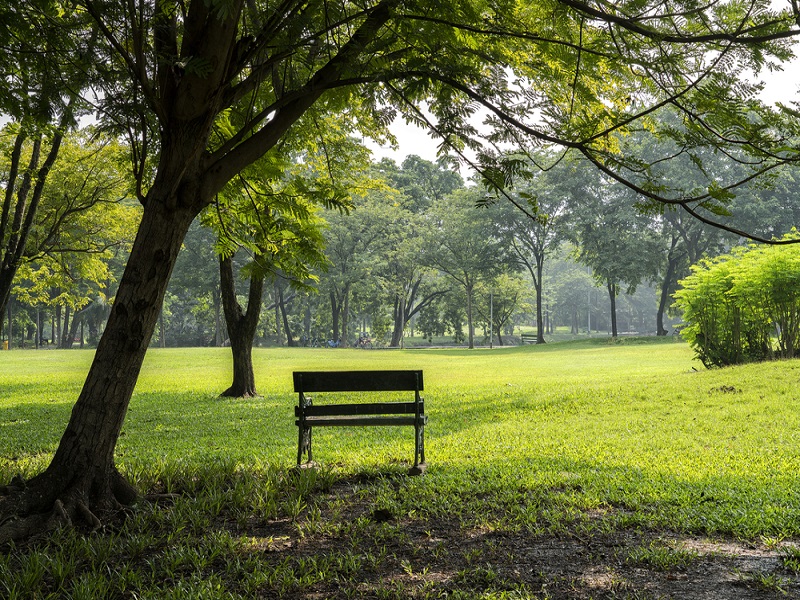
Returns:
(442, 559)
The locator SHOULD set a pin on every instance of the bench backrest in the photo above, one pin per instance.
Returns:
(357, 381)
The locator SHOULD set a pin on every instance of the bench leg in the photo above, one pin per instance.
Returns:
(419, 451)
(303, 444)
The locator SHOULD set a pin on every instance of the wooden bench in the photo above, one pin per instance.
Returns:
(311, 415)
(528, 338)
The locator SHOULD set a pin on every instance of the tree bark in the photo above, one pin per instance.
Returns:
(82, 479)
(242, 326)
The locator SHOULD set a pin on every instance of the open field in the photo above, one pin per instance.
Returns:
(577, 470)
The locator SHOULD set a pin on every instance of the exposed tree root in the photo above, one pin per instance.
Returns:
(239, 392)
(14, 528)
(88, 516)
(34, 508)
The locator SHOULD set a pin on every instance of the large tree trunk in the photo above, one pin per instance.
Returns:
(82, 480)
(242, 326)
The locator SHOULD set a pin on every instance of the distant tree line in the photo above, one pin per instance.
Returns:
(405, 248)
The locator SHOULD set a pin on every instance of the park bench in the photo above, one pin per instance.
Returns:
(310, 415)
(528, 338)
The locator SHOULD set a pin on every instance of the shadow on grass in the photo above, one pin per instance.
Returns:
(537, 527)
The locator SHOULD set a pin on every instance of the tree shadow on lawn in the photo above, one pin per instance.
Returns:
(373, 532)
(405, 548)
(539, 527)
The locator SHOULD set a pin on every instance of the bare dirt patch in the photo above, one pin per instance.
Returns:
(435, 558)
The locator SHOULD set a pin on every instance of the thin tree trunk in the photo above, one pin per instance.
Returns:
(57, 330)
(672, 264)
(242, 326)
(334, 315)
(307, 323)
(285, 316)
(612, 295)
(77, 322)
(399, 321)
(345, 316)
(470, 324)
(539, 312)
(219, 336)
(275, 306)
(23, 220)
(66, 341)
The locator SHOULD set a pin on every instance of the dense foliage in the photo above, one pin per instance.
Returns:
(744, 306)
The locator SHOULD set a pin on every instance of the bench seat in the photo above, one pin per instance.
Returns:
(359, 414)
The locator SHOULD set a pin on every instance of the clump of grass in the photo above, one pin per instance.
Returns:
(790, 557)
(770, 582)
(662, 556)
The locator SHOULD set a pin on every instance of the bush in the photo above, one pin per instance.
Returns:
(744, 306)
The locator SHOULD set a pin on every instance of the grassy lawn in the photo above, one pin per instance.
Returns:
(575, 470)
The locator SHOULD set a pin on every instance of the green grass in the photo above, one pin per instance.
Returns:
(582, 438)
